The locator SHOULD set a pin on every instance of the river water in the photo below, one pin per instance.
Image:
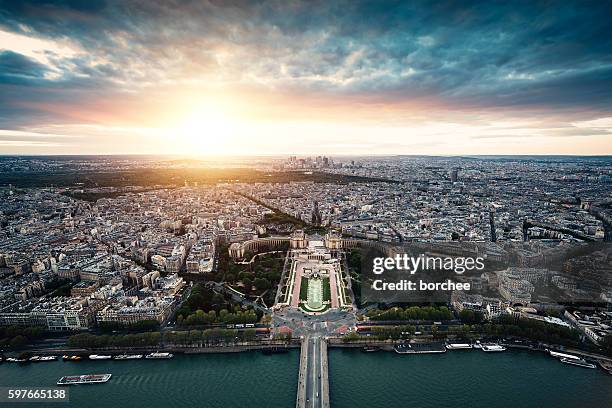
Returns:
(357, 380)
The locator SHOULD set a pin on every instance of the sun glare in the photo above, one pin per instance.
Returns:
(207, 131)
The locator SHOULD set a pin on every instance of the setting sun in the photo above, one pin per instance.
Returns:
(207, 130)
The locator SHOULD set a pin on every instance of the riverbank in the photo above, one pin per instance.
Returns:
(212, 349)
(387, 345)
(334, 342)
(356, 380)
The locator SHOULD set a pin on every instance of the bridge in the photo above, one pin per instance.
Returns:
(313, 382)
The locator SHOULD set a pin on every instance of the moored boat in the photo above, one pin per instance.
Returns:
(606, 366)
(16, 360)
(420, 348)
(458, 346)
(128, 357)
(274, 350)
(157, 355)
(403, 349)
(556, 354)
(42, 358)
(72, 358)
(490, 347)
(370, 349)
(579, 363)
(100, 357)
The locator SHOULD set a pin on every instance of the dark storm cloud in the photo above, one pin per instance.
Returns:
(17, 68)
(475, 54)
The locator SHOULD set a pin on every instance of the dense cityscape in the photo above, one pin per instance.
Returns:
(204, 263)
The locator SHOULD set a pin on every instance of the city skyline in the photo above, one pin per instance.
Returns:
(277, 78)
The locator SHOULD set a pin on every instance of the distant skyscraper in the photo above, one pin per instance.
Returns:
(455, 175)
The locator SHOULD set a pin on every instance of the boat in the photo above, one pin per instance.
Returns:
(488, 347)
(84, 379)
(458, 346)
(128, 357)
(370, 349)
(419, 348)
(403, 349)
(16, 360)
(72, 358)
(159, 355)
(579, 362)
(274, 350)
(99, 357)
(606, 366)
(556, 354)
(42, 358)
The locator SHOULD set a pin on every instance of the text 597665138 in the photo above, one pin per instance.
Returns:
(15, 394)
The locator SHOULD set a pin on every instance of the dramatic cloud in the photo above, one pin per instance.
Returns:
(397, 67)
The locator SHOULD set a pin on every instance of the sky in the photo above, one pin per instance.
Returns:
(319, 77)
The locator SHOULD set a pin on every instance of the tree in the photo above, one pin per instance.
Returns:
(18, 341)
(247, 283)
(261, 283)
(470, 316)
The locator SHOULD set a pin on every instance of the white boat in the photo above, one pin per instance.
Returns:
(403, 349)
(563, 355)
(84, 379)
(579, 362)
(16, 360)
(159, 355)
(43, 358)
(458, 346)
(489, 347)
(128, 357)
(99, 357)
(418, 349)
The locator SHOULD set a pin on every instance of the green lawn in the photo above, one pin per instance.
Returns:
(315, 294)
(304, 289)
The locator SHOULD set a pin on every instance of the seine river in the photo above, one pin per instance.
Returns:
(357, 380)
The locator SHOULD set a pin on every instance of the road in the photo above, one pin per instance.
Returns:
(313, 373)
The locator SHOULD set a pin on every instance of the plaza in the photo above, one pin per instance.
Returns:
(316, 280)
